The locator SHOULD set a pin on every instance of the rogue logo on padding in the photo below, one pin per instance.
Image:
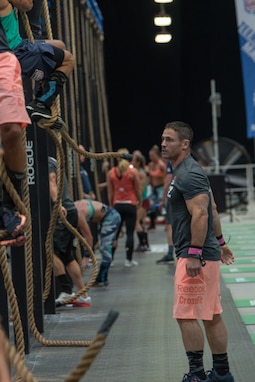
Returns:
(30, 163)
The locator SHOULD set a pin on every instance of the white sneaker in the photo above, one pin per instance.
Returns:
(112, 264)
(134, 262)
(62, 297)
(128, 263)
(82, 301)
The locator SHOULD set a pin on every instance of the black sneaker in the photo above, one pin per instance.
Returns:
(193, 378)
(100, 284)
(59, 125)
(215, 377)
(139, 248)
(165, 259)
(40, 114)
(39, 109)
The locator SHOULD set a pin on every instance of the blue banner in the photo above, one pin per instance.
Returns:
(245, 13)
(96, 13)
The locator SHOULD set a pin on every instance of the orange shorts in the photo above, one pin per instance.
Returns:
(197, 297)
(12, 102)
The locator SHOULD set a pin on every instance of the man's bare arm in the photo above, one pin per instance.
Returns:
(22, 5)
(53, 186)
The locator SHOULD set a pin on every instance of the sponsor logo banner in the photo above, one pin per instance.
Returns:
(245, 13)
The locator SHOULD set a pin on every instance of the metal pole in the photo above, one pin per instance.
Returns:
(215, 100)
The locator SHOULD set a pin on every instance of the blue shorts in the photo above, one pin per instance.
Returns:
(39, 59)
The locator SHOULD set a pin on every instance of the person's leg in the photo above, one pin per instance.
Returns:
(62, 280)
(217, 337)
(118, 208)
(57, 63)
(139, 229)
(74, 271)
(12, 121)
(57, 79)
(193, 341)
(107, 235)
(130, 221)
(169, 256)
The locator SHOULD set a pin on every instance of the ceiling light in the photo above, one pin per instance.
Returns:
(162, 20)
(163, 1)
(163, 37)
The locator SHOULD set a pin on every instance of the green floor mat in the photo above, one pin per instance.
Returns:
(233, 269)
(239, 280)
(241, 252)
(248, 320)
(253, 338)
(244, 261)
(244, 303)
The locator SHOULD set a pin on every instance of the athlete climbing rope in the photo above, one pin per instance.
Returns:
(13, 118)
(47, 62)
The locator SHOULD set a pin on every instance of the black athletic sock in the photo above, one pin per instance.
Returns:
(220, 363)
(170, 251)
(196, 365)
(140, 237)
(65, 284)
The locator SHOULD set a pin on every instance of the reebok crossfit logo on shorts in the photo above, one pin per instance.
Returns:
(191, 291)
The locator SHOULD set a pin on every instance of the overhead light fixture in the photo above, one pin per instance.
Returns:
(163, 1)
(163, 37)
(162, 19)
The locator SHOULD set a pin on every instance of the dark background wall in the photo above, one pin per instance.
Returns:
(150, 84)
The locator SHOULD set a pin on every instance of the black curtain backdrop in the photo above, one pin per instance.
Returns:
(150, 84)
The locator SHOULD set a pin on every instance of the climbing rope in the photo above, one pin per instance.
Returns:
(13, 303)
(24, 206)
(82, 367)
(25, 209)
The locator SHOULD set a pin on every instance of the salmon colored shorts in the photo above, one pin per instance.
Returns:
(12, 102)
(197, 297)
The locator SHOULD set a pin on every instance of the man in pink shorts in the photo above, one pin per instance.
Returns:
(13, 118)
(199, 247)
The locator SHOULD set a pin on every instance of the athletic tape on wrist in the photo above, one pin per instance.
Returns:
(221, 240)
(195, 251)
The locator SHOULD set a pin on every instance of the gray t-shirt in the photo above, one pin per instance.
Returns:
(189, 180)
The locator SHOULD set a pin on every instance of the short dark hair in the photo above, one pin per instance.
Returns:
(183, 130)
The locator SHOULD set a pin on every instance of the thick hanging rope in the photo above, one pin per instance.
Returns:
(28, 231)
(19, 335)
(82, 367)
(93, 349)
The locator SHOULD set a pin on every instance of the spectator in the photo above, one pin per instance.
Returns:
(103, 183)
(164, 203)
(139, 164)
(157, 173)
(124, 194)
(88, 193)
